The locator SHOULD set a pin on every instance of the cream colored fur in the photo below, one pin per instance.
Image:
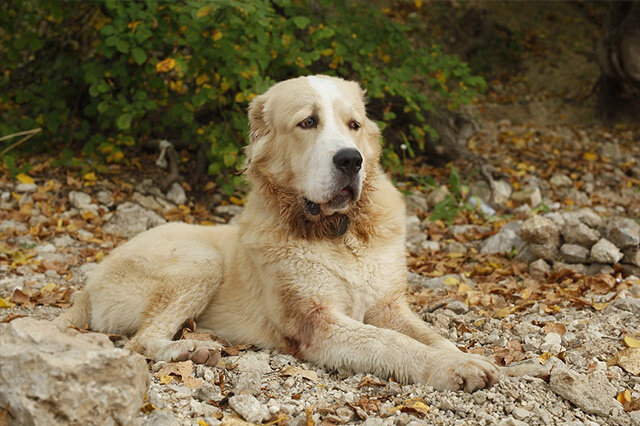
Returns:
(281, 278)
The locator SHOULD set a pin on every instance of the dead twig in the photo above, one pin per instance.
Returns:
(28, 134)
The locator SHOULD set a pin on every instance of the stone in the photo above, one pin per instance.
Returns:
(249, 408)
(437, 196)
(539, 269)
(580, 234)
(632, 256)
(622, 232)
(605, 252)
(610, 151)
(437, 282)
(162, 418)
(481, 190)
(540, 230)
(589, 217)
(430, 246)
(208, 392)
(599, 268)
(105, 198)
(573, 253)
(531, 196)
(506, 240)
(561, 180)
(416, 202)
(26, 187)
(231, 210)
(556, 218)
(130, 219)
(252, 366)
(502, 192)
(630, 304)
(176, 194)
(544, 251)
(49, 376)
(576, 267)
(458, 307)
(80, 200)
(478, 203)
(455, 247)
(593, 394)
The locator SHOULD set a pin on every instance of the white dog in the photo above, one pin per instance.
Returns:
(315, 265)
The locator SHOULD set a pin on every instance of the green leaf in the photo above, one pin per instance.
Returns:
(301, 22)
(124, 121)
(139, 55)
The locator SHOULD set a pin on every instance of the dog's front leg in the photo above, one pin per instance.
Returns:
(394, 313)
(338, 341)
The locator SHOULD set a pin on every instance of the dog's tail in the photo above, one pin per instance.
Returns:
(79, 315)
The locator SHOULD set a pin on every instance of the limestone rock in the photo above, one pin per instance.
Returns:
(531, 196)
(573, 253)
(436, 196)
(249, 408)
(593, 393)
(622, 232)
(632, 256)
(605, 252)
(176, 194)
(252, 367)
(48, 376)
(539, 268)
(560, 179)
(502, 192)
(580, 234)
(505, 240)
(540, 230)
(131, 219)
(544, 251)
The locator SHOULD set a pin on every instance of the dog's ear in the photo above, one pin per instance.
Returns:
(259, 129)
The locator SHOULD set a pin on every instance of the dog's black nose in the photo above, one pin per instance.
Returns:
(348, 160)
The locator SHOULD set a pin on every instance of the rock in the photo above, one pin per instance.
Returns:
(458, 307)
(416, 202)
(104, 197)
(26, 187)
(465, 229)
(506, 240)
(249, 408)
(482, 205)
(589, 217)
(552, 343)
(560, 179)
(593, 394)
(252, 367)
(599, 268)
(80, 200)
(455, 247)
(162, 418)
(520, 413)
(430, 246)
(481, 190)
(48, 376)
(580, 234)
(434, 283)
(632, 256)
(232, 210)
(556, 218)
(131, 219)
(539, 269)
(605, 252)
(630, 269)
(610, 151)
(630, 304)
(208, 392)
(576, 267)
(540, 230)
(573, 253)
(502, 192)
(531, 196)
(544, 251)
(622, 232)
(436, 196)
(176, 194)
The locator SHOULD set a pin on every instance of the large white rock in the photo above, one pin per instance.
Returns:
(131, 219)
(49, 377)
(594, 394)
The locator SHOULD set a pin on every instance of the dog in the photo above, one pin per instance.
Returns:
(314, 266)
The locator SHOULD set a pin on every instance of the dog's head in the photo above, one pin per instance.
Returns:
(310, 137)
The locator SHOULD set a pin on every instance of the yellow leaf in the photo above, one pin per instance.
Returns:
(624, 397)
(631, 342)
(451, 281)
(91, 177)
(201, 79)
(599, 306)
(23, 178)
(99, 256)
(464, 289)
(418, 3)
(237, 201)
(628, 359)
(166, 65)
(6, 303)
(590, 156)
(204, 11)
(217, 35)
(165, 378)
(504, 312)
(544, 357)
(147, 407)
(48, 287)
(296, 371)
(239, 97)
(202, 423)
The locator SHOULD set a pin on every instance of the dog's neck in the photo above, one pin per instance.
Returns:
(289, 207)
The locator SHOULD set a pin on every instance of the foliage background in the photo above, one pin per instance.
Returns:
(106, 77)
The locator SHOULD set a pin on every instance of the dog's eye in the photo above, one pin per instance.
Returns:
(308, 123)
(354, 125)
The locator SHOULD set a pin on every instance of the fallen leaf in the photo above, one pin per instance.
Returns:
(451, 281)
(631, 342)
(297, 371)
(504, 312)
(369, 381)
(181, 369)
(164, 379)
(234, 350)
(147, 407)
(628, 359)
(554, 327)
(21, 298)
(624, 397)
(544, 357)
(24, 178)
(6, 303)
(166, 65)
(192, 382)
(309, 415)
(414, 405)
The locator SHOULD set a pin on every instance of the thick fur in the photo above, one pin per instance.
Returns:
(280, 277)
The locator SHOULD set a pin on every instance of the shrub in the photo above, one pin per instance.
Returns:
(106, 76)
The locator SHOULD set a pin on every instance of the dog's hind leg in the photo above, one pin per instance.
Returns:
(78, 315)
(183, 296)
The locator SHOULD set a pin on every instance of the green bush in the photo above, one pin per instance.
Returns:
(107, 76)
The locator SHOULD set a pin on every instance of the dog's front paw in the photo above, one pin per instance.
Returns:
(461, 371)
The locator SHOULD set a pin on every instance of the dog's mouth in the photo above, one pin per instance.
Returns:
(339, 202)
